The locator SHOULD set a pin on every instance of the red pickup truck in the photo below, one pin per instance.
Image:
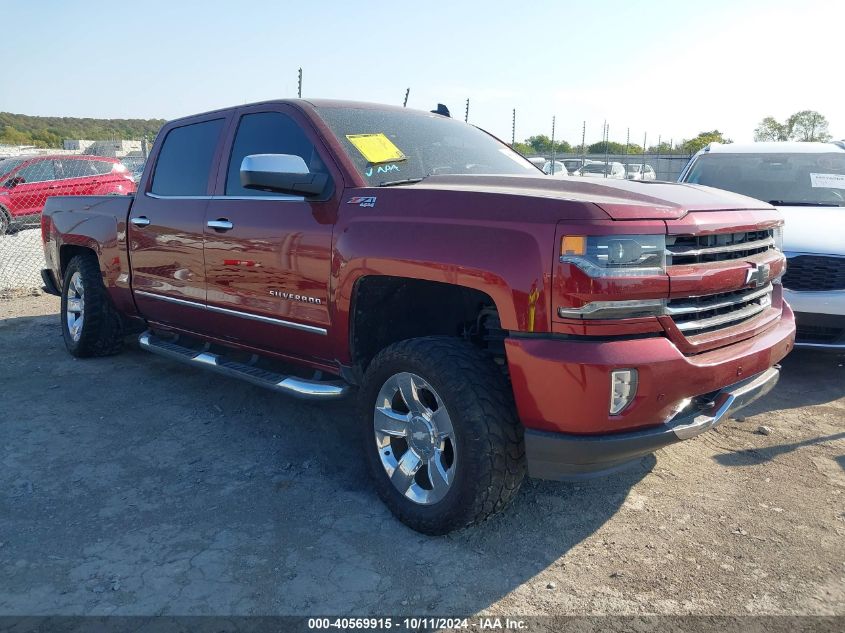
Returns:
(492, 319)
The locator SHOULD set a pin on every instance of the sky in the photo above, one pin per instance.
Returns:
(656, 68)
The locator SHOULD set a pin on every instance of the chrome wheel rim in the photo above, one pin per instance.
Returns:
(75, 310)
(415, 438)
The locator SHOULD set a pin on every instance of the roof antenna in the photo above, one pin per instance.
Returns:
(442, 110)
(405, 103)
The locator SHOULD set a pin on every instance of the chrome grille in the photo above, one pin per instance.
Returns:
(700, 315)
(701, 249)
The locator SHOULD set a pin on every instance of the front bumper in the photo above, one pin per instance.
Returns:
(562, 385)
(820, 331)
(819, 315)
(562, 456)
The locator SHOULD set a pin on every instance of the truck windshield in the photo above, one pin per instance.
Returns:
(800, 179)
(395, 146)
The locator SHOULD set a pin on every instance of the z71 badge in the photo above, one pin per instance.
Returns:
(363, 201)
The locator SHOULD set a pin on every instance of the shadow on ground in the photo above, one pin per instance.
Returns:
(753, 456)
(132, 485)
(808, 377)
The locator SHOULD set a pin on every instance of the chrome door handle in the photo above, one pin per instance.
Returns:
(220, 224)
(140, 221)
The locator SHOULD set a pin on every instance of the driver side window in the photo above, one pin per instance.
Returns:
(268, 133)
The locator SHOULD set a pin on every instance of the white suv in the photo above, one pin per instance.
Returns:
(806, 181)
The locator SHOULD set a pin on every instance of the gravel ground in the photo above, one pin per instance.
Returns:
(21, 261)
(133, 485)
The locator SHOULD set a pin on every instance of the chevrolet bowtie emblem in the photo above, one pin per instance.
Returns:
(758, 275)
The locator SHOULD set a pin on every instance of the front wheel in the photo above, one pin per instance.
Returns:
(91, 326)
(441, 436)
(5, 222)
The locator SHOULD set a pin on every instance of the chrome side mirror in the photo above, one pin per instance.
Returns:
(283, 173)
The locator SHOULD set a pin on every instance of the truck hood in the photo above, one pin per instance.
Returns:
(816, 230)
(620, 199)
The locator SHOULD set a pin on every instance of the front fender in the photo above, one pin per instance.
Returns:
(510, 264)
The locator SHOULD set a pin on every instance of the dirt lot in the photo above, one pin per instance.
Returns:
(132, 485)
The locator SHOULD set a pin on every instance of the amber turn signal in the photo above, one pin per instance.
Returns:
(573, 245)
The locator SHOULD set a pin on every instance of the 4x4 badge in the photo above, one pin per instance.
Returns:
(757, 275)
(363, 201)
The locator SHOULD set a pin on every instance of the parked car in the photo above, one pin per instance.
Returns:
(137, 171)
(638, 171)
(574, 164)
(603, 170)
(806, 182)
(559, 168)
(491, 319)
(27, 182)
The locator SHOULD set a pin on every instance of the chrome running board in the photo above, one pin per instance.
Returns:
(290, 385)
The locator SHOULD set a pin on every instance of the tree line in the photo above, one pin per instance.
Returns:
(542, 145)
(23, 129)
(806, 125)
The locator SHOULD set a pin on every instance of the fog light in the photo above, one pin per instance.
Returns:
(623, 388)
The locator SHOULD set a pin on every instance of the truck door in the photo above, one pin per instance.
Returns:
(166, 225)
(267, 255)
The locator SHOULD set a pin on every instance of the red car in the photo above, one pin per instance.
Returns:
(27, 182)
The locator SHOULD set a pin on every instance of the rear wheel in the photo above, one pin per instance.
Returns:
(441, 436)
(91, 326)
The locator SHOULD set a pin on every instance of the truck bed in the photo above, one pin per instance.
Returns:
(61, 208)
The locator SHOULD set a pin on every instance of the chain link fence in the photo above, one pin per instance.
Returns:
(665, 166)
(29, 177)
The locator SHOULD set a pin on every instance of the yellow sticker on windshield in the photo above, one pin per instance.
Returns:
(376, 148)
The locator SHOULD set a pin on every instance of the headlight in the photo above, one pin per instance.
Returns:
(615, 255)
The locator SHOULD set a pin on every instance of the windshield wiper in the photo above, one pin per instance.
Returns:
(798, 203)
(404, 181)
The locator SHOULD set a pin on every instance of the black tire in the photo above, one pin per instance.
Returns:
(100, 333)
(5, 221)
(490, 460)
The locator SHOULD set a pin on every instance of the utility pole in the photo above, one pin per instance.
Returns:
(405, 102)
(513, 129)
(466, 113)
(657, 157)
(583, 138)
(554, 153)
(645, 142)
(606, 133)
(627, 143)
(299, 85)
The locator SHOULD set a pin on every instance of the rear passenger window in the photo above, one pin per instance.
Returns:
(268, 133)
(77, 168)
(102, 167)
(184, 162)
